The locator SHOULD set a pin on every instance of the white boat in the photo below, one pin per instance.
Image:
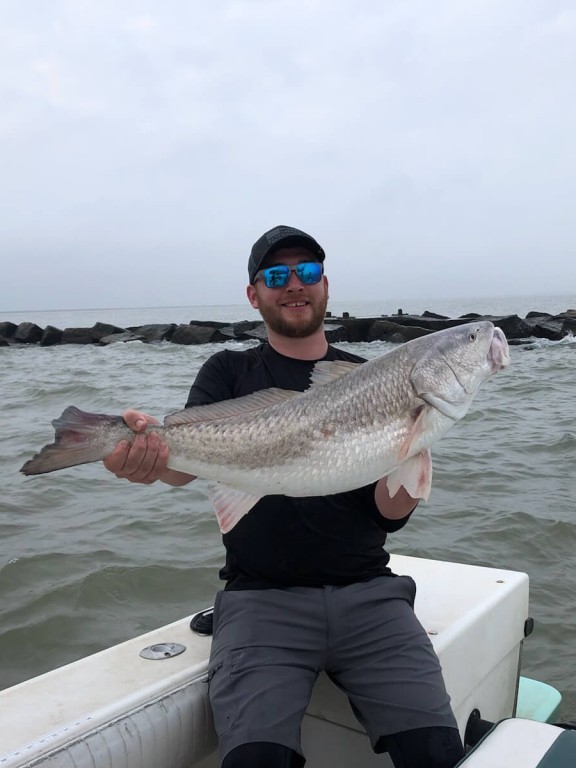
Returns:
(144, 703)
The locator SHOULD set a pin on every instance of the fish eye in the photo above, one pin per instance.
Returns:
(472, 336)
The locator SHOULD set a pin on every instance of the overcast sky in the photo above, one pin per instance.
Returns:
(429, 145)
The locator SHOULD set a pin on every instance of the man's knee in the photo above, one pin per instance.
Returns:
(262, 754)
(424, 748)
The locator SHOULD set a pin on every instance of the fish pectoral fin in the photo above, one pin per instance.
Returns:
(326, 371)
(230, 504)
(224, 409)
(416, 430)
(415, 474)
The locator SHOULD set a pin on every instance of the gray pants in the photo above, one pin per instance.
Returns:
(270, 645)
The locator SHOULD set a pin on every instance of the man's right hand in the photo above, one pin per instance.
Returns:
(144, 460)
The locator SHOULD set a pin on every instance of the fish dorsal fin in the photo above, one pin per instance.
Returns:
(230, 504)
(228, 408)
(329, 370)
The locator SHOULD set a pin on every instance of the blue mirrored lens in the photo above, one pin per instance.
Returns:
(309, 273)
(276, 277)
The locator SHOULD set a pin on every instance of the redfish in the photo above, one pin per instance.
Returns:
(355, 424)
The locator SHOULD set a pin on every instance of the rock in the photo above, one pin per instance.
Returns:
(77, 336)
(195, 334)
(27, 333)
(209, 323)
(51, 336)
(259, 332)
(386, 330)
(434, 316)
(229, 333)
(429, 323)
(154, 332)
(568, 325)
(240, 331)
(512, 325)
(99, 330)
(336, 333)
(534, 313)
(7, 330)
(124, 336)
(548, 329)
(356, 328)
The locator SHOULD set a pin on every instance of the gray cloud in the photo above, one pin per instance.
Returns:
(144, 147)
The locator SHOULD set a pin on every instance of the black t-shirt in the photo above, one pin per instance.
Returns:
(294, 541)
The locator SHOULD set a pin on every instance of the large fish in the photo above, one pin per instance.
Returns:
(355, 424)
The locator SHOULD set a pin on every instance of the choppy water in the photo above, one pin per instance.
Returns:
(87, 561)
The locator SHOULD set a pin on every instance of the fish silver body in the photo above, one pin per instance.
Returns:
(356, 424)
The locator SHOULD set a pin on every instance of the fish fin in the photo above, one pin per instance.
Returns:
(326, 371)
(415, 475)
(227, 408)
(72, 444)
(230, 504)
(416, 430)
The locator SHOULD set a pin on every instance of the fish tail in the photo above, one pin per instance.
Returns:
(78, 440)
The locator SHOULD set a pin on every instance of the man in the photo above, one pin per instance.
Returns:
(308, 587)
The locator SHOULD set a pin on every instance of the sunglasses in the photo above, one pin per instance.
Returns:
(309, 273)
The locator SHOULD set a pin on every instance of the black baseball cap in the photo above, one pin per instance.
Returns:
(280, 237)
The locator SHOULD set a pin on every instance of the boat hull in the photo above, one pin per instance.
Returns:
(118, 709)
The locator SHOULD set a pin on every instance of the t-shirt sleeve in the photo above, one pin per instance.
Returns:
(213, 382)
(390, 526)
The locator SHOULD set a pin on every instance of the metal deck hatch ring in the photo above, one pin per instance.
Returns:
(160, 651)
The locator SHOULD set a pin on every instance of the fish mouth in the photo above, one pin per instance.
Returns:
(499, 353)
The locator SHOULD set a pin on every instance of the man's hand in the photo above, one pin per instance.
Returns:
(144, 460)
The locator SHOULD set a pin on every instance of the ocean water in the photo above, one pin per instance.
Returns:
(87, 560)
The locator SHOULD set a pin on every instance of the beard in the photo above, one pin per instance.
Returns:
(296, 327)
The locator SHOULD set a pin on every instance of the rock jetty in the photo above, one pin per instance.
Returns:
(396, 328)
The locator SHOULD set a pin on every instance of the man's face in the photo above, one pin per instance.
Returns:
(296, 310)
